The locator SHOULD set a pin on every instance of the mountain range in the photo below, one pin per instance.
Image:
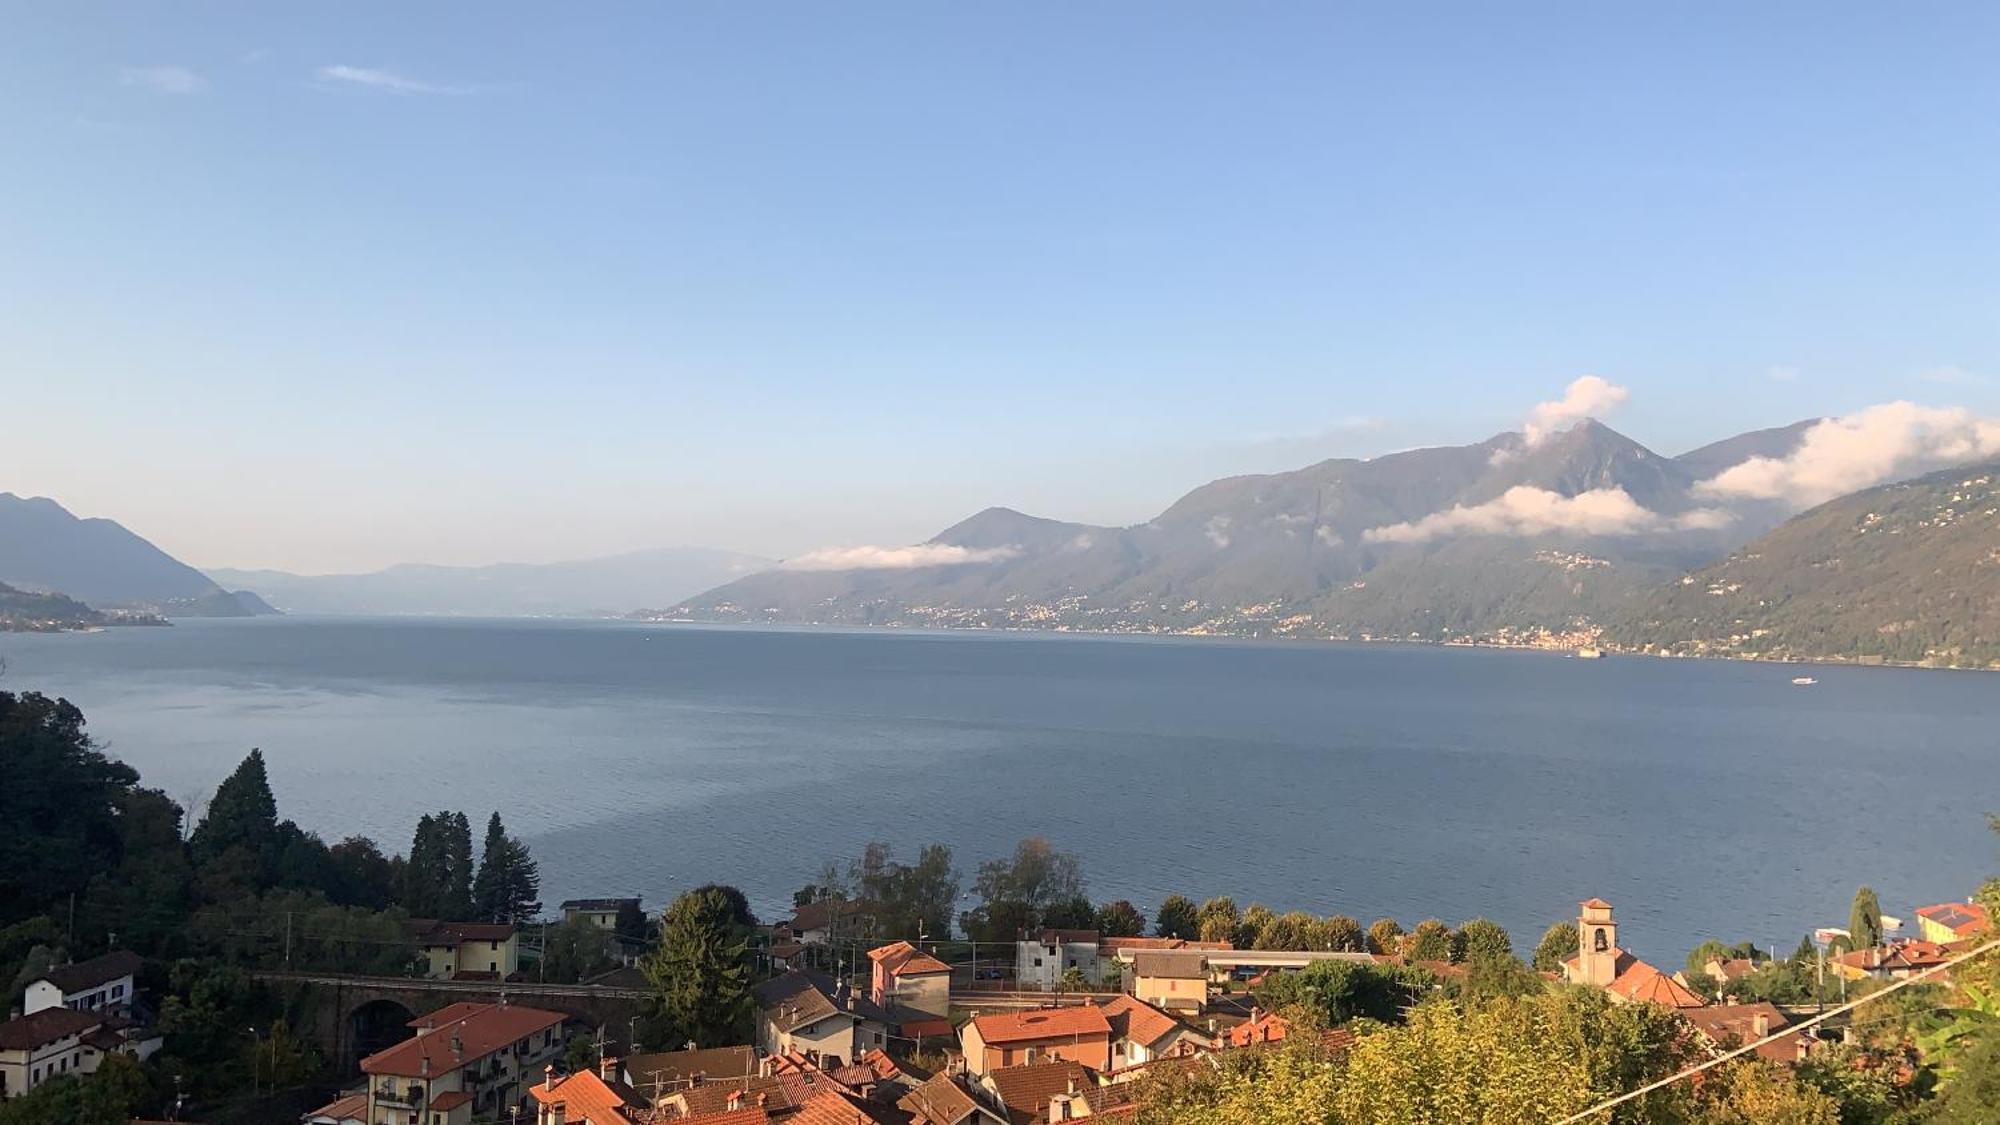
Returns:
(608, 586)
(1906, 572)
(44, 549)
(1479, 541)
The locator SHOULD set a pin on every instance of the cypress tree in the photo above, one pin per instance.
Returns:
(236, 845)
(508, 879)
(700, 972)
(457, 903)
(1864, 921)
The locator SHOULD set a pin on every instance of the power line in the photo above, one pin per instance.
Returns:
(1776, 1035)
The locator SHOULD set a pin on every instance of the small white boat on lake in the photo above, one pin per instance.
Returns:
(1804, 681)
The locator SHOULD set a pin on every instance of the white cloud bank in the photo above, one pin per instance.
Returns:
(387, 81)
(1524, 511)
(162, 79)
(897, 558)
(1588, 397)
(1841, 455)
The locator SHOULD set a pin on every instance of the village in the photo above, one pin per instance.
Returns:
(851, 1029)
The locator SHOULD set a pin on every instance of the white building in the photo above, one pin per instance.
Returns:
(48, 1044)
(99, 984)
(1041, 961)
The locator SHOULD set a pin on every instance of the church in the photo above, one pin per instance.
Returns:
(1600, 963)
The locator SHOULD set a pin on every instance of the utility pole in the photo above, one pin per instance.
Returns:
(288, 939)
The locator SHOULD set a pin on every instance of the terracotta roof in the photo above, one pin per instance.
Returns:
(449, 1013)
(1068, 937)
(1042, 1023)
(1732, 1025)
(1175, 964)
(1962, 918)
(903, 959)
(451, 1100)
(1133, 1019)
(817, 915)
(25, 1033)
(584, 1097)
(1912, 955)
(921, 1026)
(1595, 903)
(1026, 1090)
(86, 975)
(940, 1101)
(1641, 982)
(754, 1115)
(711, 1063)
(353, 1107)
(888, 1069)
(457, 933)
(780, 1092)
(1734, 968)
(478, 1033)
(1264, 1027)
(806, 996)
(831, 1107)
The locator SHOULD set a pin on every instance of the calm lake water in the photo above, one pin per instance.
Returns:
(1703, 799)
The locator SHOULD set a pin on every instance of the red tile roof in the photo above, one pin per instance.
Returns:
(353, 1107)
(1026, 1090)
(1135, 944)
(456, 933)
(584, 1098)
(1137, 1021)
(754, 1115)
(450, 1100)
(25, 1033)
(905, 960)
(478, 1034)
(1595, 903)
(1640, 982)
(830, 1107)
(1043, 1023)
(86, 975)
(1732, 1025)
(940, 1101)
(1962, 918)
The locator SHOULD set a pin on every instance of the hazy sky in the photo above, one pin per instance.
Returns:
(330, 286)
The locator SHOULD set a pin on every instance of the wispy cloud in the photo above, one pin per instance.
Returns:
(1840, 455)
(162, 79)
(387, 81)
(1783, 373)
(1587, 397)
(897, 558)
(1526, 511)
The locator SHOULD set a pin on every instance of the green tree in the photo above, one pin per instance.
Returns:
(908, 900)
(1485, 940)
(58, 808)
(145, 898)
(1864, 919)
(631, 923)
(1178, 918)
(576, 950)
(1015, 892)
(1558, 944)
(1120, 919)
(509, 883)
(361, 874)
(1074, 913)
(1430, 941)
(699, 975)
(111, 1095)
(1333, 992)
(236, 844)
(1385, 937)
(437, 880)
(1256, 919)
(1341, 933)
(1219, 920)
(1293, 930)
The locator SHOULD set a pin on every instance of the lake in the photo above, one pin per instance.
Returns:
(1703, 799)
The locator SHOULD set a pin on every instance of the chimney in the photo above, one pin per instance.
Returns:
(1256, 1013)
(424, 1065)
(1761, 1024)
(457, 1045)
(735, 1100)
(549, 1077)
(607, 1068)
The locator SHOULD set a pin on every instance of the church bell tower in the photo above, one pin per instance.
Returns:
(1596, 944)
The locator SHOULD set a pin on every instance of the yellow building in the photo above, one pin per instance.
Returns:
(469, 950)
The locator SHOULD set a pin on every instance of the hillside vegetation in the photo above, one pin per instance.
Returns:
(1905, 572)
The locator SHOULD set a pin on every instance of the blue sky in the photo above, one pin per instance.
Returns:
(333, 286)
